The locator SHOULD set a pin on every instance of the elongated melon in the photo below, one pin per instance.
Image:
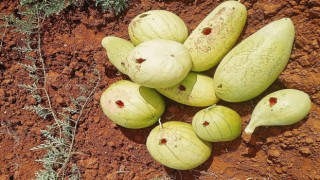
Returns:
(254, 64)
(194, 90)
(157, 24)
(117, 50)
(216, 35)
(284, 107)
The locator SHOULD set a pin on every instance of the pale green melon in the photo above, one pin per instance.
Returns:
(158, 63)
(284, 107)
(254, 64)
(157, 24)
(216, 35)
(175, 145)
(131, 105)
(117, 50)
(194, 90)
(217, 123)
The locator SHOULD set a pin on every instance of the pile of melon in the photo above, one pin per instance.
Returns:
(164, 61)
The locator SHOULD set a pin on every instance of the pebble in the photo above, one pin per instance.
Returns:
(274, 153)
(278, 170)
(67, 71)
(96, 119)
(111, 143)
(305, 151)
(90, 163)
(296, 132)
(60, 100)
(309, 140)
(288, 134)
(271, 8)
(302, 135)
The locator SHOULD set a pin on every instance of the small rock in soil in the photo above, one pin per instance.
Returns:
(296, 132)
(59, 100)
(302, 135)
(79, 73)
(67, 71)
(305, 151)
(111, 143)
(308, 140)
(91, 163)
(288, 134)
(278, 170)
(54, 79)
(270, 9)
(274, 153)
(96, 119)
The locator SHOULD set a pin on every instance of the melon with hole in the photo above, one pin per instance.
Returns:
(194, 90)
(215, 36)
(158, 63)
(157, 24)
(175, 145)
(131, 105)
(217, 123)
(283, 107)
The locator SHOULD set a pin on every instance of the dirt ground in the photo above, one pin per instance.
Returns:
(71, 47)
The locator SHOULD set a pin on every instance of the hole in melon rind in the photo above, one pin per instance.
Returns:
(163, 141)
(206, 31)
(120, 104)
(273, 101)
(122, 64)
(219, 86)
(205, 123)
(140, 60)
(182, 87)
(144, 15)
(172, 55)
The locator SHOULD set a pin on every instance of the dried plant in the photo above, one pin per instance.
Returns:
(59, 136)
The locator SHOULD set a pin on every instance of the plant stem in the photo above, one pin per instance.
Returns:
(75, 128)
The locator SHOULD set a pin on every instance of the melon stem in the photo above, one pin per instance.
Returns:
(250, 128)
(160, 123)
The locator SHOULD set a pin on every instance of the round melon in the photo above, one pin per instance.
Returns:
(157, 24)
(175, 145)
(217, 123)
(131, 105)
(158, 63)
